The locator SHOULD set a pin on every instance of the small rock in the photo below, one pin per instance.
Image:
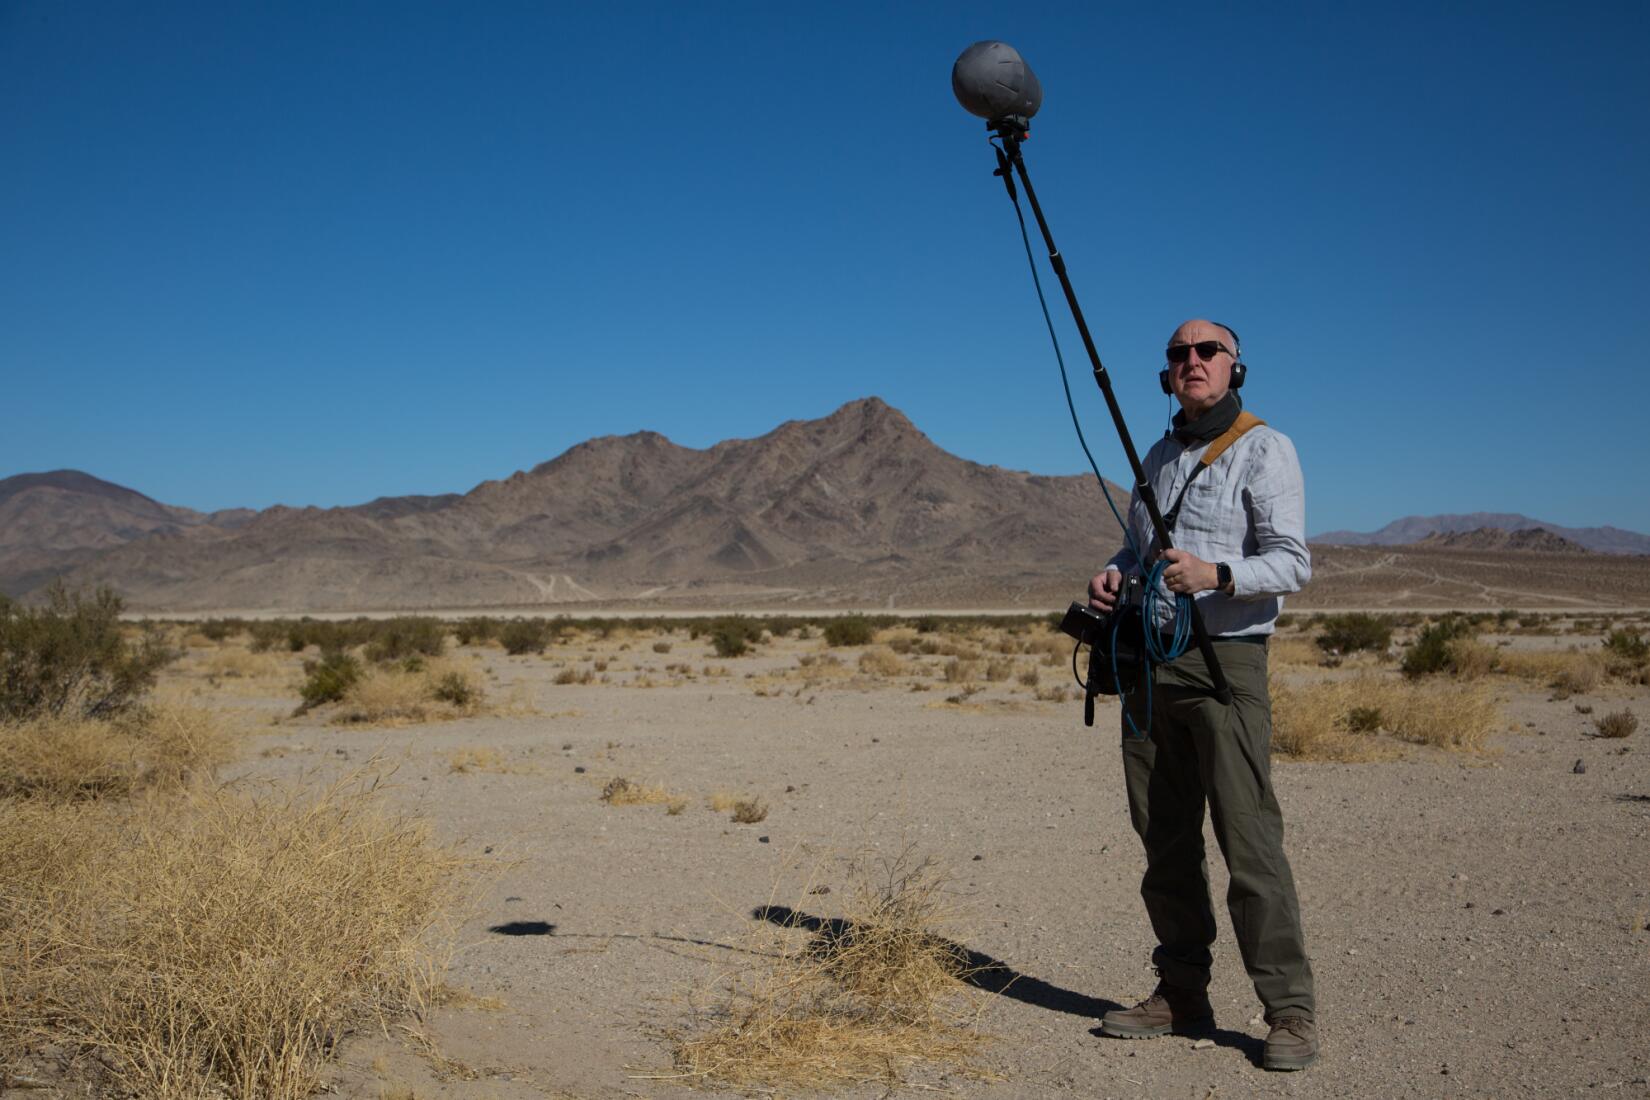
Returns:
(1498, 912)
(1579, 769)
(978, 858)
(487, 851)
(762, 840)
(511, 898)
(1469, 905)
(875, 740)
(567, 747)
(789, 789)
(578, 769)
(1203, 1044)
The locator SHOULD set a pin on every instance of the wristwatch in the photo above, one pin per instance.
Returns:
(1223, 576)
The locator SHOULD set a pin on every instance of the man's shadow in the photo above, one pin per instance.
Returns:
(977, 969)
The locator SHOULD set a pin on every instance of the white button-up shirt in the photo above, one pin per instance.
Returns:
(1247, 510)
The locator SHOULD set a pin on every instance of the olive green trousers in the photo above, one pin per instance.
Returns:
(1196, 753)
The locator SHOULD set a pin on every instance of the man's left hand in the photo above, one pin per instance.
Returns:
(1189, 574)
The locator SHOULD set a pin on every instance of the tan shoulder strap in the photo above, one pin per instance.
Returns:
(1245, 422)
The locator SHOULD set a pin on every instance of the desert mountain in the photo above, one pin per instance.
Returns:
(1412, 529)
(51, 521)
(856, 506)
(1529, 539)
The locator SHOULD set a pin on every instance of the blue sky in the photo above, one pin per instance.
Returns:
(314, 253)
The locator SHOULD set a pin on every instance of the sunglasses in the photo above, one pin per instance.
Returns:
(1206, 350)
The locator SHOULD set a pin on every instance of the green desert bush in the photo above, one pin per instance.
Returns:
(70, 657)
(848, 630)
(477, 630)
(520, 636)
(407, 636)
(733, 635)
(1430, 652)
(1627, 644)
(328, 679)
(1355, 631)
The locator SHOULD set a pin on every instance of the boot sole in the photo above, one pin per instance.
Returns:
(1124, 1031)
(1288, 1064)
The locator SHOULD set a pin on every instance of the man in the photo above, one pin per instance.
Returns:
(1239, 530)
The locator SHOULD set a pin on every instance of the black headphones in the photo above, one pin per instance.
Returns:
(1239, 371)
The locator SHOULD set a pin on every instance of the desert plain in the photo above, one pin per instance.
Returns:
(1475, 882)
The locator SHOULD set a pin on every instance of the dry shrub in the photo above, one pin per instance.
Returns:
(1621, 723)
(620, 791)
(722, 801)
(1442, 715)
(1470, 659)
(465, 761)
(999, 668)
(1335, 720)
(437, 689)
(881, 662)
(958, 671)
(1570, 671)
(1030, 677)
(1312, 722)
(214, 946)
(68, 758)
(236, 662)
(1294, 650)
(748, 811)
(870, 994)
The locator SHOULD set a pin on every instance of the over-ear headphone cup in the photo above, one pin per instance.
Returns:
(1239, 373)
(1163, 380)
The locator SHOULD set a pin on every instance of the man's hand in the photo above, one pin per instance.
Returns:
(1188, 573)
(1103, 590)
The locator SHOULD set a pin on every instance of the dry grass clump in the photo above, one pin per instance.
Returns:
(620, 791)
(1294, 650)
(959, 671)
(748, 811)
(430, 691)
(214, 947)
(465, 761)
(63, 757)
(1336, 721)
(236, 662)
(1567, 671)
(1620, 723)
(881, 662)
(870, 994)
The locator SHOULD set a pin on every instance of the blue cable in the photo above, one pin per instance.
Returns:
(1155, 649)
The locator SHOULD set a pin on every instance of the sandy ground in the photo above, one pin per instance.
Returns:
(1480, 924)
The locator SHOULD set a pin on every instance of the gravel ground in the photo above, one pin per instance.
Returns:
(1479, 924)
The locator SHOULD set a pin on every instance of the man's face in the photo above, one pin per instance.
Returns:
(1200, 383)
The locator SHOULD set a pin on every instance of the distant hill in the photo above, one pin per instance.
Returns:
(1528, 539)
(855, 509)
(856, 506)
(1412, 529)
(50, 522)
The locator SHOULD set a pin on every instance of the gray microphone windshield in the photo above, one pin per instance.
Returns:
(992, 80)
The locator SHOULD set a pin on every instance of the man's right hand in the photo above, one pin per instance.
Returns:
(1103, 590)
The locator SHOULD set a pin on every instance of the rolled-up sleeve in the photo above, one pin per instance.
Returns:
(1276, 500)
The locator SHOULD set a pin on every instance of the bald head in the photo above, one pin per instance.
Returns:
(1200, 329)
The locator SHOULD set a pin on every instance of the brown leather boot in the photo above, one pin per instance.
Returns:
(1292, 1044)
(1168, 1011)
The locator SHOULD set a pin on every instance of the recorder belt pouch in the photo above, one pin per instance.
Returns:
(1115, 657)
